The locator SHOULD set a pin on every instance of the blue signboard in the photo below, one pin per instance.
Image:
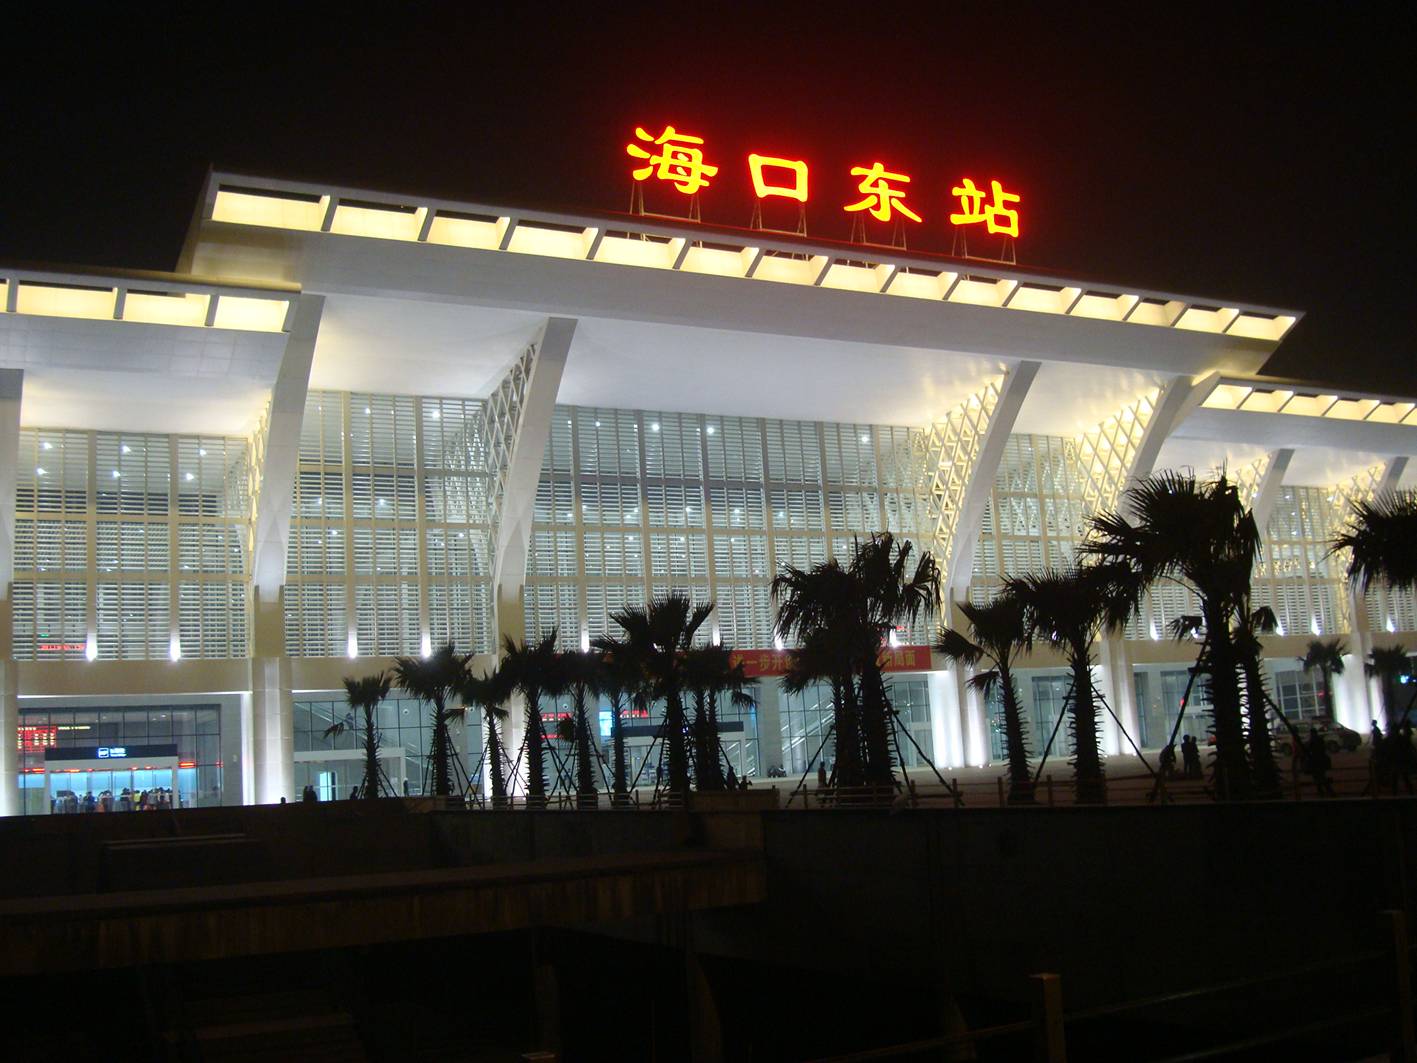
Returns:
(129, 753)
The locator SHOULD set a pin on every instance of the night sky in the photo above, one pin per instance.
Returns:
(1202, 151)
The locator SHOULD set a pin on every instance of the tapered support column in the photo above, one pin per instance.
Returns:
(1270, 484)
(533, 431)
(530, 435)
(960, 562)
(11, 391)
(269, 710)
(1179, 396)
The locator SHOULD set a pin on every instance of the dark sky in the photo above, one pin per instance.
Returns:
(1254, 156)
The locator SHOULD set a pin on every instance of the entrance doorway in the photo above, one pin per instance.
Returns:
(114, 779)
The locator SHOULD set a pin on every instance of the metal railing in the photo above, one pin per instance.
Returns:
(1048, 1026)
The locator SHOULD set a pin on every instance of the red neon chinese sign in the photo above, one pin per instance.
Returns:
(679, 159)
(758, 663)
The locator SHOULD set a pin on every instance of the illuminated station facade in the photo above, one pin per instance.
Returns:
(355, 425)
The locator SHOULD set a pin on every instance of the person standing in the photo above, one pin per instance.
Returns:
(1191, 757)
(1317, 761)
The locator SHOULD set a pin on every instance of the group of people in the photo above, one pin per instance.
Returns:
(1393, 756)
(156, 799)
(1190, 759)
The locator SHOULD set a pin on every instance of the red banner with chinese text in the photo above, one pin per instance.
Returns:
(758, 663)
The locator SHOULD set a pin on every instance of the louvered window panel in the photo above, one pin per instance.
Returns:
(796, 509)
(50, 619)
(614, 554)
(673, 446)
(794, 452)
(386, 618)
(800, 552)
(745, 616)
(316, 622)
(678, 555)
(740, 557)
(460, 613)
(134, 473)
(605, 600)
(553, 605)
(212, 618)
(133, 620)
(128, 506)
(851, 454)
(737, 506)
(735, 449)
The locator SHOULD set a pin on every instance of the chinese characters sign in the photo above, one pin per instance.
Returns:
(683, 161)
(776, 662)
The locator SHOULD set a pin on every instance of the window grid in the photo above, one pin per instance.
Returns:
(110, 526)
(391, 533)
(632, 504)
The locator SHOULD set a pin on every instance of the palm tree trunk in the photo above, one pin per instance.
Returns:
(1262, 763)
(586, 794)
(675, 746)
(1089, 781)
(371, 755)
(494, 763)
(1328, 692)
(848, 732)
(442, 781)
(875, 729)
(535, 750)
(1232, 768)
(621, 766)
(617, 739)
(710, 776)
(1020, 779)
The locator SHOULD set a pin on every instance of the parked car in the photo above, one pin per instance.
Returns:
(1335, 736)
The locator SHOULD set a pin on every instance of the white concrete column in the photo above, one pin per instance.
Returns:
(948, 726)
(960, 563)
(769, 696)
(11, 393)
(1357, 702)
(271, 772)
(1118, 685)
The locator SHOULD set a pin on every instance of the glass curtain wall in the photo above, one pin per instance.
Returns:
(194, 729)
(405, 729)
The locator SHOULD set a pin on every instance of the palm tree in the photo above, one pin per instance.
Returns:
(531, 670)
(996, 633)
(1201, 535)
(365, 695)
(1380, 533)
(581, 674)
(893, 594)
(1390, 666)
(1069, 609)
(710, 672)
(817, 609)
(436, 679)
(489, 693)
(1327, 658)
(657, 635)
(622, 682)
